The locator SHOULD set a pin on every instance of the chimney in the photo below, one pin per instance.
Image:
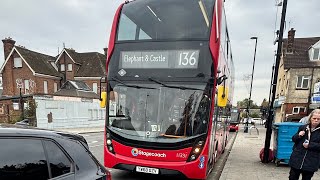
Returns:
(105, 51)
(8, 45)
(290, 43)
(71, 49)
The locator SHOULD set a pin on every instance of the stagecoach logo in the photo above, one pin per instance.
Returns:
(201, 164)
(135, 152)
(122, 72)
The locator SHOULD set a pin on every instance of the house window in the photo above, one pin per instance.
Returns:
(45, 87)
(303, 82)
(62, 67)
(297, 110)
(95, 87)
(1, 108)
(69, 67)
(55, 87)
(17, 62)
(15, 106)
(316, 54)
(26, 86)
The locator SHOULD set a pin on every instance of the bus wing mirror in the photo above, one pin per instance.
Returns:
(103, 99)
(222, 96)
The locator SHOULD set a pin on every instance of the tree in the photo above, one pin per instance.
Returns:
(244, 103)
(264, 108)
(30, 111)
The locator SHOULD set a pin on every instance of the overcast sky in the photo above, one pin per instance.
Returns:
(84, 25)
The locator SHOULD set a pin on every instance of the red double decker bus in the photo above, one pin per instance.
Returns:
(170, 79)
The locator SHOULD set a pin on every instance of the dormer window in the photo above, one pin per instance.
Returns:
(54, 66)
(17, 62)
(315, 54)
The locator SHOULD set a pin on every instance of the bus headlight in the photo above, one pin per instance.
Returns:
(196, 150)
(109, 143)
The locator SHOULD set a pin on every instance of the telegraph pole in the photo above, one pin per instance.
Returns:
(275, 77)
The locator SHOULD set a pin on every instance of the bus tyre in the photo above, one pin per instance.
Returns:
(215, 155)
(225, 145)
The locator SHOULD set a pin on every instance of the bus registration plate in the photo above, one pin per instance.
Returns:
(147, 170)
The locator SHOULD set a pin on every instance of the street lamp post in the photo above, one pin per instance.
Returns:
(248, 105)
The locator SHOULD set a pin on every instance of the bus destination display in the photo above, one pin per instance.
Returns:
(173, 59)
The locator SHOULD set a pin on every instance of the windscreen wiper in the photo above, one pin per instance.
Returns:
(127, 85)
(175, 87)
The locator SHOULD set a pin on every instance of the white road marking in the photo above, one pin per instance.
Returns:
(92, 142)
(96, 145)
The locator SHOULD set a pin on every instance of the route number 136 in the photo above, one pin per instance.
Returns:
(187, 59)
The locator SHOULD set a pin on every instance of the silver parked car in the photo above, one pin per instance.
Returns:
(24, 122)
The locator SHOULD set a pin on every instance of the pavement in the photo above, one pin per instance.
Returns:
(244, 162)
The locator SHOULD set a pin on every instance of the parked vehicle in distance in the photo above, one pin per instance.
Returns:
(249, 121)
(24, 122)
(30, 153)
(257, 121)
(234, 127)
(234, 120)
(264, 121)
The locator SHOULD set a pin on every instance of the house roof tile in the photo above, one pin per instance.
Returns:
(40, 63)
(93, 64)
(300, 56)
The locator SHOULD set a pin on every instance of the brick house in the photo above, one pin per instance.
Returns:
(26, 72)
(298, 78)
(88, 67)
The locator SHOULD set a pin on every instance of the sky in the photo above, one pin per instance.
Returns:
(84, 25)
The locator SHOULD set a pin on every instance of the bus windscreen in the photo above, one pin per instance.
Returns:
(149, 114)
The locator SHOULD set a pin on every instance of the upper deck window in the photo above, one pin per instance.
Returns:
(165, 20)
